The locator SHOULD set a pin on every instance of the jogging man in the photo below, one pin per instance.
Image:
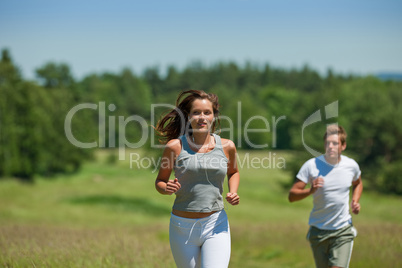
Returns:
(330, 175)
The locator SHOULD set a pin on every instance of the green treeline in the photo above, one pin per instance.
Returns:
(263, 107)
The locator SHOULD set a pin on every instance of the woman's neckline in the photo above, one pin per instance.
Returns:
(187, 140)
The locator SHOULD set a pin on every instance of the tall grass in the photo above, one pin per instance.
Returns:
(109, 215)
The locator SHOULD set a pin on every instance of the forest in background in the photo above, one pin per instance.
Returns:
(33, 113)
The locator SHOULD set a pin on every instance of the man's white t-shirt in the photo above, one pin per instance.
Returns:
(331, 202)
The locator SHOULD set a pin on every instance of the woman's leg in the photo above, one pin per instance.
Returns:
(215, 251)
(184, 244)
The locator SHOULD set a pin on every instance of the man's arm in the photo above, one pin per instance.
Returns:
(297, 192)
(356, 194)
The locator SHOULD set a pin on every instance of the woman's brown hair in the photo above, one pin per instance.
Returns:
(175, 123)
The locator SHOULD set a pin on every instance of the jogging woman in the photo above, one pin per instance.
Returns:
(199, 230)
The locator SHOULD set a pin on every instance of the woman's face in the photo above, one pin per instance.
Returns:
(201, 115)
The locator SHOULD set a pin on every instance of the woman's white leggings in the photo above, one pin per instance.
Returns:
(201, 242)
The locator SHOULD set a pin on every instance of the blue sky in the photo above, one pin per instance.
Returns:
(358, 37)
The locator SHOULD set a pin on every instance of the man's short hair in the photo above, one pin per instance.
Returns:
(338, 130)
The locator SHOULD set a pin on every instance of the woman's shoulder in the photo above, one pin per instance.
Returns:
(227, 142)
(173, 142)
(174, 145)
(228, 145)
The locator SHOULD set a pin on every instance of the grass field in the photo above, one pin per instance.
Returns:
(110, 215)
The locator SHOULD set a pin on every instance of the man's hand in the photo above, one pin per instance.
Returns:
(355, 207)
(316, 184)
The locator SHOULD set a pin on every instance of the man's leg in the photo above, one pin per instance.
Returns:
(319, 246)
(341, 246)
(320, 254)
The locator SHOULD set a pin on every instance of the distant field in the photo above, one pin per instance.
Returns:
(109, 215)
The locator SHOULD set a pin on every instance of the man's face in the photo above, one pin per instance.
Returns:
(333, 147)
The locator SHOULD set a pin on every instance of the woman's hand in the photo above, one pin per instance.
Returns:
(172, 186)
(233, 198)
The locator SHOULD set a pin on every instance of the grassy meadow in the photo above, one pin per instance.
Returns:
(110, 215)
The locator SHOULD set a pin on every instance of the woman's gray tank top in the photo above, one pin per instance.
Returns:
(201, 176)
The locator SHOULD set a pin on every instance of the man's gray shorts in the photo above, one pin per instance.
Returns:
(332, 247)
